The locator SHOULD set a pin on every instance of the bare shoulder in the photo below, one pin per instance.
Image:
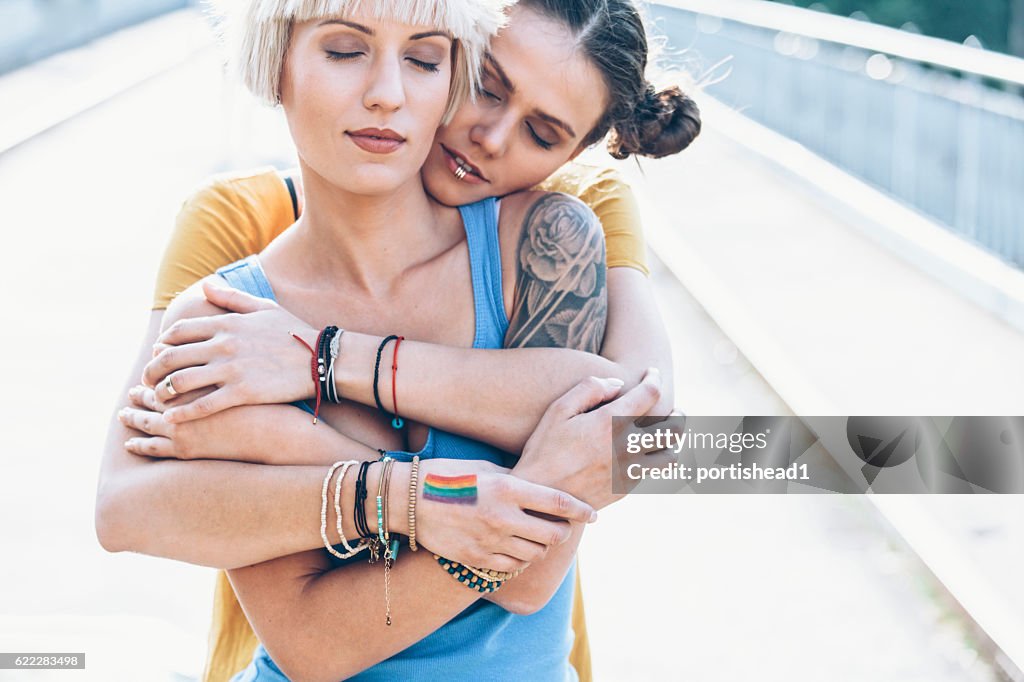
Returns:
(192, 303)
(531, 209)
(560, 296)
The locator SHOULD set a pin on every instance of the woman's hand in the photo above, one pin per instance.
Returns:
(583, 452)
(225, 435)
(248, 357)
(260, 434)
(498, 528)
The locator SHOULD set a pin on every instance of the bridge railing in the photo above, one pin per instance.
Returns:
(937, 125)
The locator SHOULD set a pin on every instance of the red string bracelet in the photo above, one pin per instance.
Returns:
(396, 422)
(313, 368)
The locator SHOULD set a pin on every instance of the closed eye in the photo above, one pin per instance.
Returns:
(341, 56)
(541, 142)
(426, 66)
(487, 94)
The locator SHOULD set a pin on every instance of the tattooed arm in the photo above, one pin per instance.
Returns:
(555, 286)
(556, 293)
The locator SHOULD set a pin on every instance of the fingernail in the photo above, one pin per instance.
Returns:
(617, 383)
(593, 517)
(128, 444)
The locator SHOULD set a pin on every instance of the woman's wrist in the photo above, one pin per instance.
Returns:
(398, 499)
(353, 370)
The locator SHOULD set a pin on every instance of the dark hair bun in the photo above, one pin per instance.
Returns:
(663, 123)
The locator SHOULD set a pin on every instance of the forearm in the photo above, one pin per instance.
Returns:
(213, 513)
(496, 396)
(636, 338)
(531, 590)
(332, 625)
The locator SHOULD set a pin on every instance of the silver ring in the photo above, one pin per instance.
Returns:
(169, 386)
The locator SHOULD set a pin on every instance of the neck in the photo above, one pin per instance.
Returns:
(368, 242)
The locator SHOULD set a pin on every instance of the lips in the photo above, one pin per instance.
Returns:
(376, 140)
(461, 168)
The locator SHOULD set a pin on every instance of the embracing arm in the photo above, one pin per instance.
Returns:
(168, 508)
(560, 306)
(561, 303)
(227, 514)
(321, 624)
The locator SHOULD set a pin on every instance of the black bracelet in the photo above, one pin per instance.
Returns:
(359, 509)
(376, 372)
(323, 358)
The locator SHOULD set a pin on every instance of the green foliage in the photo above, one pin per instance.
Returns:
(949, 19)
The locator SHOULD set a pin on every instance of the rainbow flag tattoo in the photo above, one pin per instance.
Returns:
(450, 489)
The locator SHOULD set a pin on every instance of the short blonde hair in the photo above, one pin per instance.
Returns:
(258, 33)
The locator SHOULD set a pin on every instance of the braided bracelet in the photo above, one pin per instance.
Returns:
(334, 348)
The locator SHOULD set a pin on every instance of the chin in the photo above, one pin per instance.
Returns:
(445, 191)
(449, 190)
(373, 180)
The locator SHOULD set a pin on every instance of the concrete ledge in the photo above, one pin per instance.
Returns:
(960, 265)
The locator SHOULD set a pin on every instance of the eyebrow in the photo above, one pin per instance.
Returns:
(370, 32)
(503, 77)
(555, 122)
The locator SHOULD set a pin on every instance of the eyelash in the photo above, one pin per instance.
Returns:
(488, 94)
(538, 140)
(343, 56)
(543, 144)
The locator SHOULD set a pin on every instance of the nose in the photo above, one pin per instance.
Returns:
(385, 89)
(493, 135)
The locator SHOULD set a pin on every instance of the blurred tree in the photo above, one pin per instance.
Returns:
(988, 20)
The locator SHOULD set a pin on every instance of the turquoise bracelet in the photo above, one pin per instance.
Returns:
(464, 576)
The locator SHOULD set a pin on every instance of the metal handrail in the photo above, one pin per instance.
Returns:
(862, 34)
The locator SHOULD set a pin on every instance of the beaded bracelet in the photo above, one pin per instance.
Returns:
(414, 475)
(361, 545)
(323, 511)
(464, 575)
(383, 535)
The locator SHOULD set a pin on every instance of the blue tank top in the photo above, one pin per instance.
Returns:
(484, 641)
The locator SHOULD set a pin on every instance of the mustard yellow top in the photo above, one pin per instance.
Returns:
(234, 216)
